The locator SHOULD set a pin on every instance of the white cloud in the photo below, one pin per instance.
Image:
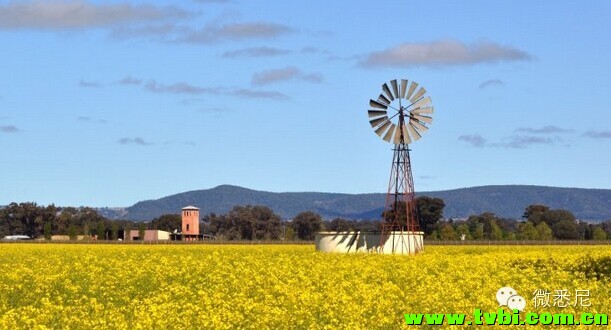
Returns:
(284, 74)
(597, 134)
(77, 14)
(255, 52)
(549, 129)
(137, 141)
(442, 53)
(475, 140)
(492, 83)
(8, 129)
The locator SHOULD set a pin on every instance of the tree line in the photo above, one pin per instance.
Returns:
(539, 222)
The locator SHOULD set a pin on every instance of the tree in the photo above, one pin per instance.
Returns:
(72, 233)
(463, 229)
(447, 232)
(141, 231)
(599, 234)
(495, 232)
(565, 230)
(101, 230)
(478, 232)
(528, 231)
(306, 224)
(127, 231)
(339, 224)
(544, 231)
(47, 231)
(86, 230)
(430, 211)
(167, 222)
(534, 212)
(114, 228)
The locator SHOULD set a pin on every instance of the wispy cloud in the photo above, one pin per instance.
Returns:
(137, 141)
(284, 74)
(79, 14)
(8, 129)
(491, 83)
(510, 142)
(232, 31)
(549, 129)
(597, 134)
(255, 52)
(475, 140)
(524, 141)
(256, 94)
(189, 89)
(88, 84)
(442, 53)
(129, 81)
(180, 88)
(87, 119)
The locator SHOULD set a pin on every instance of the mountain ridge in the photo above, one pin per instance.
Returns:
(506, 201)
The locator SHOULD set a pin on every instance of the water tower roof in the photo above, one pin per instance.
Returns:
(190, 207)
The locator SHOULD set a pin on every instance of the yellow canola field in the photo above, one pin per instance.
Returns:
(74, 286)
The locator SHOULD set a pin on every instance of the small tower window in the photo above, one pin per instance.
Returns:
(187, 227)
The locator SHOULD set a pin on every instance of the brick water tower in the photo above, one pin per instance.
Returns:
(190, 223)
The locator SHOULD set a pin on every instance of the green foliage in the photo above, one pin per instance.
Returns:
(463, 229)
(72, 233)
(598, 268)
(167, 222)
(430, 211)
(599, 234)
(544, 231)
(306, 224)
(101, 231)
(47, 231)
(114, 228)
(528, 231)
(447, 233)
(141, 231)
(127, 229)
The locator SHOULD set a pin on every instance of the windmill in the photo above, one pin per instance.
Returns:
(400, 115)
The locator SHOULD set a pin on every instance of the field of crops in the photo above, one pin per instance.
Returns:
(277, 287)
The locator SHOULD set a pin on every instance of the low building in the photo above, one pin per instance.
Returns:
(149, 235)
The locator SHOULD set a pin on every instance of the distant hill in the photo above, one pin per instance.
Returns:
(506, 201)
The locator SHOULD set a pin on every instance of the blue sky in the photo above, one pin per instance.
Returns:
(106, 103)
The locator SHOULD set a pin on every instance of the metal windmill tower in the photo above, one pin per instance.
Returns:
(400, 115)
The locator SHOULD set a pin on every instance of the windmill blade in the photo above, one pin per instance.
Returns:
(422, 103)
(377, 121)
(422, 110)
(380, 130)
(388, 135)
(419, 94)
(383, 99)
(403, 87)
(376, 104)
(376, 113)
(397, 138)
(412, 131)
(411, 90)
(406, 134)
(395, 88)
(424, 119)
(387, 92)
(421, 128)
